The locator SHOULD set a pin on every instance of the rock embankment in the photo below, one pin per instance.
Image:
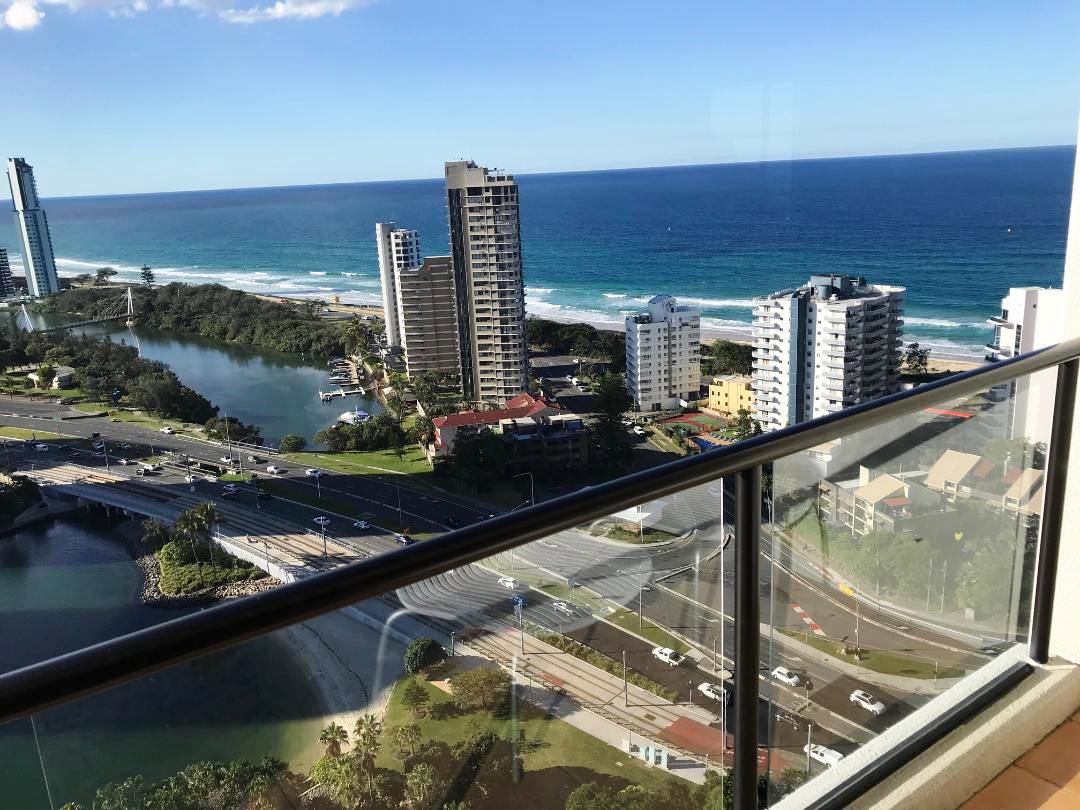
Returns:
(151, 590)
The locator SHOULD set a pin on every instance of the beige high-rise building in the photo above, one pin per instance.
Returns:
(429, 323)
(485, 244)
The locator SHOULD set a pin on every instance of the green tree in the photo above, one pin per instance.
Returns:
(103, 275)
(420, 786)
(744, 425)
(334, 737)
(292, 443)
(366, 743)
(147, 275)
(415, 698)
(422, 653)
(233, 430)
(916, 359)
(480, 687)
(154, 534)
(727, 357)
(407, 737)
(424, 427)
(46, 376)
(480, 458)
(611, 401)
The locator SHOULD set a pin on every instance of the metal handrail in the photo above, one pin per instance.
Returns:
(92, 669)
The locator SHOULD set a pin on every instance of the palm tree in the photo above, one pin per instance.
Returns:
(206, 518)
(333, 737)
(186, 527)
(419, 786)
(408, 736)
(366, 743)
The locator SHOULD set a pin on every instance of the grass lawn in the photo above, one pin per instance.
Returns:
(187, 578)
(663, 442)
(646, 536)
(558, 757)
(628, 620)
(877, 660)
(413, 463)
(23, 433)
(136, 417)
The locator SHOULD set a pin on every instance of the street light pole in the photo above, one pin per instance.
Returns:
(625, 698)
(451, 643)
(809, 728)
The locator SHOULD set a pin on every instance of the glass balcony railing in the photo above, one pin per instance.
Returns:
(763, 625)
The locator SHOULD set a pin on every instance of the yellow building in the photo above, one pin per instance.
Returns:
(730, 393)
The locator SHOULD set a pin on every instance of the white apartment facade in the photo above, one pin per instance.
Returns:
(399, 249)
(822, 347)
(426, 303)
(1031, 318)
(33, 227)
(663, 354)
(485, 245)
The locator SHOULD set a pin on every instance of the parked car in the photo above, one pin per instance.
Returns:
(668, 656)
(711, 690)
(313, 472)
(273, 469)
(563, 608)
(785, 675)
(168, 431)
(867, 701)
(361, 524)
(508, 582)
(321, 521)
(403, 540)
(819, 753)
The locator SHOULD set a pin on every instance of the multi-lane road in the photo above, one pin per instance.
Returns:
(679, 585)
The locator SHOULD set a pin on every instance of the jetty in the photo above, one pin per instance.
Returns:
(345, 373)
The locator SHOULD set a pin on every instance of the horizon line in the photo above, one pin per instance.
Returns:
(578, 171)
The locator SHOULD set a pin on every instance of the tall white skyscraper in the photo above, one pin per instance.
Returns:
(399, 249)
(429, 324)
(1031, 318)
(663, 354)
(33, 228)
(822, 347)
(485, 247)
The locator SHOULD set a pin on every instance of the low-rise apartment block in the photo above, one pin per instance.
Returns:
(731, 393)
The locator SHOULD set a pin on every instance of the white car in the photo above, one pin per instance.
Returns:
(313, 472)
(361, 524)
(228, 487)
(711, 690)
(785, 675)
(322, 521)
(253, 459)
(273, 469)
(168, 431)
(191, 479)
(123, 461)
(225, 459)
(41, 448)
(508, 582)
(867, 701)
(826, 756)
(153, 467)
(638, 430)
(668, 656)
(562, 607)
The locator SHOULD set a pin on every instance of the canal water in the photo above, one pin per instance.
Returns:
(70, 582)
(275, 390)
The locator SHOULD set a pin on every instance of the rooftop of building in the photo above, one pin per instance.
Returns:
(835, 287)
(519, 407)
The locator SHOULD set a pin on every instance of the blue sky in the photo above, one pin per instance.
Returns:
(112, 96)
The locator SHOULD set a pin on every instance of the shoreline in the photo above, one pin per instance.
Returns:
(938, 361)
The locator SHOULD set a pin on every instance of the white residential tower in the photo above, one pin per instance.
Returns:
(399, 249)
(37, 251)
(663, 354)
(822, 347)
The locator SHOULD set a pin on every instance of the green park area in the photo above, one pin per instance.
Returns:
(883, 661)
(23, 433)
(371, 462)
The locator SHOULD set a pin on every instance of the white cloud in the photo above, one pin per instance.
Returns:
(291, 10)
(22, 15)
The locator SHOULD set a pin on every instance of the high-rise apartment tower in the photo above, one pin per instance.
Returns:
(485, 246)
(822, 347)
(399, 249)
(663, 354)
(7, 286)
(33, 228)
(429, 324)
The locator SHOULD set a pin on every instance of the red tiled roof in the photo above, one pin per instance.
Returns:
(983, 468)
(519, 407)
(897, 501)
(1010, 476)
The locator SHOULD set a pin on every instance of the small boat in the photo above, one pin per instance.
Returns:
(337, 361)
(354, 416)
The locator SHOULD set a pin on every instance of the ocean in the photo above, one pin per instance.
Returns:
(957, 229)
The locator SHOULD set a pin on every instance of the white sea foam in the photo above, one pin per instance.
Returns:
(316, 272)
(539, 290)
(745, 303)
(944, 323)
(614, 295)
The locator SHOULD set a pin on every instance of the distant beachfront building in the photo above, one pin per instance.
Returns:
(485, 247)
(1031, 318)
(731, 393)
(37, 251)
(663, 354)
(822, 347)
(7, 284)
(399, 249)
(427, 306)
